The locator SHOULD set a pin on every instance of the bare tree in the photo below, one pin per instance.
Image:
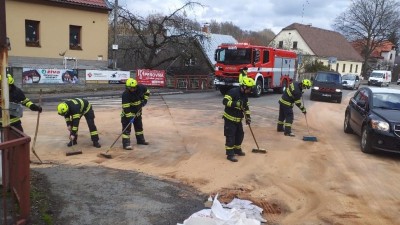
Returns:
(369, 23)
(156, 40)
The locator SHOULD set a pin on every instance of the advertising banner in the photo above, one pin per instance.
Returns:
(49, 76)
(151, 77)
(107, 76)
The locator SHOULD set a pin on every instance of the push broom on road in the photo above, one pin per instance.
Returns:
(258, 149)
(108, 156)
(308, 137)
(74, 151)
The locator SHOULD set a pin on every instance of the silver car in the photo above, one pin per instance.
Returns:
(351, 81)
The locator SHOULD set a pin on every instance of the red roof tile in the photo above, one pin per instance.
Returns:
(102, 4)
(385, 46)
(326, 43)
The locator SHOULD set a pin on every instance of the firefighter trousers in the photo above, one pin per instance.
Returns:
(234, 135)
(137, 125)
(285, 119)
(89, 116)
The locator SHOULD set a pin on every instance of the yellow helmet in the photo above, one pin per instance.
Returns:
(248, 82)
(62, 108)
(306, 83)
(131, 83)
(9, 78)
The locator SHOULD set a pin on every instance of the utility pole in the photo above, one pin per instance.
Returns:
(115, 45)
(3, 65)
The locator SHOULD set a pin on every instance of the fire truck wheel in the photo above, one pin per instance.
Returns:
(258, 89)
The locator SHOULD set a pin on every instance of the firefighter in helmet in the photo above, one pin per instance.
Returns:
(134, 99)
(236, 108)
(17, 97)
(72, 110)
(242, 74)
(291, 95)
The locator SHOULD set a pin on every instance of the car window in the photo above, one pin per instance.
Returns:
(362, 95)
(386, 100)
(328, 77)
(348, 77)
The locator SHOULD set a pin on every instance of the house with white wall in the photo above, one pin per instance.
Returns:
(329, 47)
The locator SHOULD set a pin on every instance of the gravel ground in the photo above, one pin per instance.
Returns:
(121, 197)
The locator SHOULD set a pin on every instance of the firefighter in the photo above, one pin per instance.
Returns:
(73, 110)
(134, 99)
(291, 95)
(17, 97)
(242, 74)
(236, 105)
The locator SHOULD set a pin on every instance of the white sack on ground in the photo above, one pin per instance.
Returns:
(237, 212)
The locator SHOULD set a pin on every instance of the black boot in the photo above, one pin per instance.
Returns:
(239, 152)
(74, 142)
(231, 158)
(140, 140)
(289, 134)
(279, 128)
(96, 144)
(126, 143)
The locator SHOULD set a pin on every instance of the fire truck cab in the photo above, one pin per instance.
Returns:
(271, 68)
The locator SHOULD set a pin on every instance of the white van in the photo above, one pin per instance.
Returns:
(380, 78)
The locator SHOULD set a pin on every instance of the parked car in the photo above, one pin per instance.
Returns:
(398, 81)
(327, 85)
(351, 81)
(373, 114)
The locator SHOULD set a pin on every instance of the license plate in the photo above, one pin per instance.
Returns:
(326, 95)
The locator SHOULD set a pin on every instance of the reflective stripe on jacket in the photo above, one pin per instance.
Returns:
(232, 111)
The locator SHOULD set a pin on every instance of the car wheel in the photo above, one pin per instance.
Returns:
(366, 145)
(354, 87)
(339, 100)
(346, 126)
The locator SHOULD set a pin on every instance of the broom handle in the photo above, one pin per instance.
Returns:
(126, 127)
(251, 130)
(305, 116)
(37, 128)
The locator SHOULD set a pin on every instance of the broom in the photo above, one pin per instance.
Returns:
(258, 149)
(108, 156)
(308, 137)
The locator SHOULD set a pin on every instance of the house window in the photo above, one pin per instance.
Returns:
(190, 62)
(32, 33)
(75, 37)
(337, 67)
(344, 68)
(356, 69)
(294, 44)
(351, 68)
(280, 44)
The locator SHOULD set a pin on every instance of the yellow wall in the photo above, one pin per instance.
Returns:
(54, 31)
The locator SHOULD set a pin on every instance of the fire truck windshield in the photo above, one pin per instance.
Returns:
(233, 56)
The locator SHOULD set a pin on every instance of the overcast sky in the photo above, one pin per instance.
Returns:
(252, 15)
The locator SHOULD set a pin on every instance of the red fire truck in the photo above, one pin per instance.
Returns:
(271, 68)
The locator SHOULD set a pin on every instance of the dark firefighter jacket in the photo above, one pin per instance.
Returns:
(232, 111)
(76, 109)
(132, 102)
(18, 96)
(292, 95)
